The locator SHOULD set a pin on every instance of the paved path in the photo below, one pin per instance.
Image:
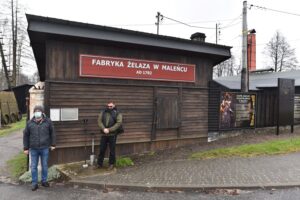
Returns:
(265, 171)
(10, 145)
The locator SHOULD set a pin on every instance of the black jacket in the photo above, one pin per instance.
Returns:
(39, 135)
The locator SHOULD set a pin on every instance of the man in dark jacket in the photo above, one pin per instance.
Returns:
(109, 122)
(38, 137)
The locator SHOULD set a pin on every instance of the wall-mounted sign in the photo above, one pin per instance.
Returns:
(237, 110)
(55, 114)
(69, 114)
(64, 114)
(297, 109)
(286, 93)
(127, 68)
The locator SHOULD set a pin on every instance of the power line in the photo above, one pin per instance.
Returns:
(186, 23)
(232, 22)
(279, 11)
(260, 44)
(167, 24)
(228, 26)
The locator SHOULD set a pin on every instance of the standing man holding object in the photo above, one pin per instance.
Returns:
(38, 137)
(109, 122)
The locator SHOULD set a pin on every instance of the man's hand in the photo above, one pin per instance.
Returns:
(26, 152)
(52, 148)
(106, 131)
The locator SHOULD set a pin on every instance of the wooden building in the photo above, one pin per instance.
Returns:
(21, 92)
(160, 110)
(261, 82)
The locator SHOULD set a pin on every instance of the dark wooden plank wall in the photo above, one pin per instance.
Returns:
(194, 122)
(136, 104)
(215, 90)
(166, 92)
(266, 111)
(62, 62)
(266, 106)
(71, 154)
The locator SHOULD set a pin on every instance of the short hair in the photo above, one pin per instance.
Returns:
(110, 101)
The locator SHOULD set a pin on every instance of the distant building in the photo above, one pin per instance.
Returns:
(261, 82)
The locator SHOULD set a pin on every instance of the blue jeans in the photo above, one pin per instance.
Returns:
(35, 154)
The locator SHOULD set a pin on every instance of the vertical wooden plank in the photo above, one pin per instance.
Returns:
(259, 109)
(272, 101)
(46, 98)
(263, 108)
(179, 130)
(154, 117)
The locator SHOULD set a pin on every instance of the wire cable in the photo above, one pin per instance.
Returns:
(279, 11)
(186, 23)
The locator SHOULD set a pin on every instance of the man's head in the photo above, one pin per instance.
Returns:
(110, 105)
(38, 111)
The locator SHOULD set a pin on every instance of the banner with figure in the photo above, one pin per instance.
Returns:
(237, 110)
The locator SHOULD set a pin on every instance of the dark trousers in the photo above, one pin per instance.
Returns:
(111, 141)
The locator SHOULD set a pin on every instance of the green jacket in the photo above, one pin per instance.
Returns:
(112, 129)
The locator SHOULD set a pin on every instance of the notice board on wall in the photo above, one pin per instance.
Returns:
(286, 95)
(297, 109)
(237, 110)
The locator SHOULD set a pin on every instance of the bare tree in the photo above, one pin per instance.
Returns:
(227, 68)
(15, 42)
(280, 54)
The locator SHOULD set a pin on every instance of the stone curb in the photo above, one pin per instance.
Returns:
(143, 187)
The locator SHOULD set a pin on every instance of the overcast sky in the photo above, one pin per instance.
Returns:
(140, 15)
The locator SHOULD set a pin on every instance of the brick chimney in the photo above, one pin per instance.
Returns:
(251, 55)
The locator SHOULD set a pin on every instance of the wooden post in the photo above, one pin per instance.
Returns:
(278, 105)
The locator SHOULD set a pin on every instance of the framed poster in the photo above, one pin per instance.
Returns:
(237, 110)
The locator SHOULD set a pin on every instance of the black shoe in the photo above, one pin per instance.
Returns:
(45, 184)
(34, 187)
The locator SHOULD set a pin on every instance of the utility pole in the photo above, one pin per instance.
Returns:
(4, 66)
(14, 24)
(244, 74)
(216, 33)
(159, 18)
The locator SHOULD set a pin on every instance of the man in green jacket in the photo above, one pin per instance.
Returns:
(109, 122)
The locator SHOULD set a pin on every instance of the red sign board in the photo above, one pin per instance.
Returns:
(127, 68)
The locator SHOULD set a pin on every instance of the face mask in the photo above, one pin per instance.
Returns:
(110, 107)
(38, 114)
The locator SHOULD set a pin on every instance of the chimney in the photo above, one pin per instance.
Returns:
(251, 51)
(198, 37)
